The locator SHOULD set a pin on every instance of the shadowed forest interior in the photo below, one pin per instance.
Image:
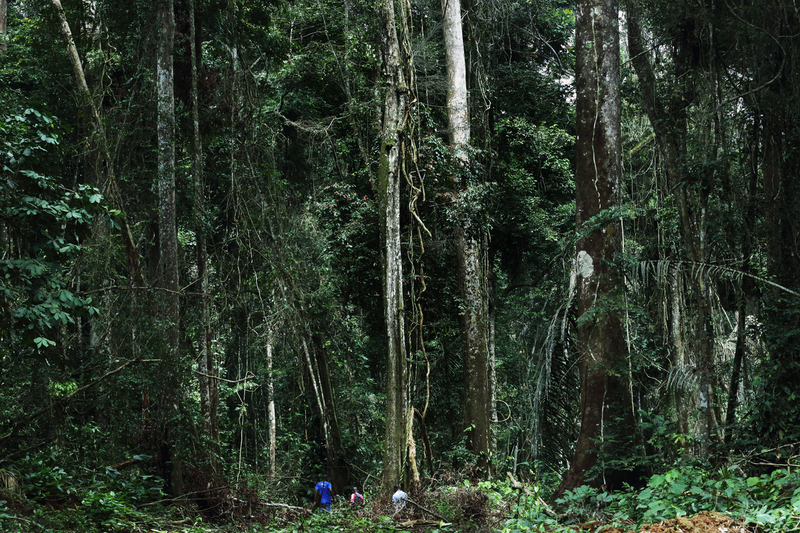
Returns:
(528, 260)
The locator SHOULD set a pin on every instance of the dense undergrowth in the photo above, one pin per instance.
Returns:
(43, 498)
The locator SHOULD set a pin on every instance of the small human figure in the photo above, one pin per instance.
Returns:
(399, 499)
(323, 494)
(356, 499)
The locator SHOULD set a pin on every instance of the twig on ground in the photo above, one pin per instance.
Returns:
(424, 509)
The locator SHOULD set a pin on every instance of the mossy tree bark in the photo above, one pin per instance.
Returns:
(394, 112)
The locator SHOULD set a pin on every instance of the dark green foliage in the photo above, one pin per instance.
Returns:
(290, 98)
(774, 419)
(44, 225)
(765, 502)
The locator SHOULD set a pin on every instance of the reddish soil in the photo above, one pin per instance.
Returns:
(701, 523)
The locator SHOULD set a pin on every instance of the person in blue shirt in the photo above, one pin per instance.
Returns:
(323, 494)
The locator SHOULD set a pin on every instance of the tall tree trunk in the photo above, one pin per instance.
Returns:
(206, 363)
(457, 104)
(273, 425)
(492, 371)
(678, 343)
(477, 401)
(169, 308)
(472, 274)
(3, 25)
(606, 410)
(395, 101)
(205, 378)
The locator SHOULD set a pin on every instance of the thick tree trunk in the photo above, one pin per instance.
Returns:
(678, 343)
(492, 372)
(477, 401)
(457, 105)
(606, 409)
(395, 101)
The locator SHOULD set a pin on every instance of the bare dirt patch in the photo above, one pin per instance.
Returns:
(701, 523)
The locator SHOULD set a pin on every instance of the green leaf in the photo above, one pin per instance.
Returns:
(42, 342)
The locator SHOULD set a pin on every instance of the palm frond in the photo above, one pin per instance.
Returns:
(663, 268)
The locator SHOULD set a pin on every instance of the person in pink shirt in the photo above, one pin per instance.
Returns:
(356, 499)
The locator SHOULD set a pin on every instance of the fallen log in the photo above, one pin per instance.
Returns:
(415, 523)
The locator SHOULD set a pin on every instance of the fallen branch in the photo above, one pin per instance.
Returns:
(516, 485)
(519, 486)
(424, 509)
(123, 464)
(286, 507)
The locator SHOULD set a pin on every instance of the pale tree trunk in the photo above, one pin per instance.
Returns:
(472, 275)
(492, 373)
(273, 426)
(457, 105)
(474, 342)
(606, 408)
(677, 341)
(169, 308)
(392, 124)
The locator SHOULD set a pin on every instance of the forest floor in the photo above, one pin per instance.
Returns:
(701, 523)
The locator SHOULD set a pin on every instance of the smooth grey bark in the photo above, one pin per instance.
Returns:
(477, 400)
(492, 372)
(392, 125)
(457, 105)
(605, 404)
